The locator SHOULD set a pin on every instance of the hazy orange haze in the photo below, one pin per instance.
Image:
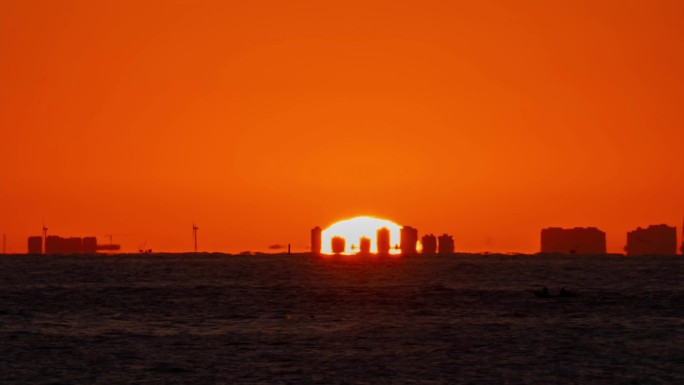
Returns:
(259, 120)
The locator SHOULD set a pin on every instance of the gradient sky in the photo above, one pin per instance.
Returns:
(259, 120)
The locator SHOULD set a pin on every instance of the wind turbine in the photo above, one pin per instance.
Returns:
(194, 234)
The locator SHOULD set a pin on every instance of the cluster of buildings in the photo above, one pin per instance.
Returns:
(653, 240)
(408, 244)
(53, 244)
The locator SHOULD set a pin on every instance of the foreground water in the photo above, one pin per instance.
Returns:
(217, 319)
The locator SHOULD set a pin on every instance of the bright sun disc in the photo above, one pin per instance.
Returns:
(353, 229)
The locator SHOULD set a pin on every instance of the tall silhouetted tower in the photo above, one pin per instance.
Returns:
(338, 245)
(316, 240)
(409, 239)
(383, 240)
(364, 245)
(660, 239)
(429, 242)
(446, 244)
(579, 240)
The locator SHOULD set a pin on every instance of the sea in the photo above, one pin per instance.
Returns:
(302, 319)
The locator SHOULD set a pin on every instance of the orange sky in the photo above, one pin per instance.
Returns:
(259, 120)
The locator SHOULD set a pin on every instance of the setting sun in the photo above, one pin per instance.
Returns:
(352, 230)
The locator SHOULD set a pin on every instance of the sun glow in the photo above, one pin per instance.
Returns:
(352, 230)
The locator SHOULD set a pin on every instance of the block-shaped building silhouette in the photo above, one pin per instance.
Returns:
(383, 240)
(655, 239)
(429, 243)
(338, 245)
(364, 245)
(316, 240)
(89, 245)
(409, 240)
(579, 240)
(445, 244)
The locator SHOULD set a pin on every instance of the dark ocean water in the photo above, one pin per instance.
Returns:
(217, 319)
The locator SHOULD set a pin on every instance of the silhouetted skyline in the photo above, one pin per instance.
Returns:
(656, 239)
(652, 240)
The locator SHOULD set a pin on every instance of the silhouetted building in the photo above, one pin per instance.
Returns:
(656, 239)
(89, 245)
(59, 245)
(338, 245)
(446, 244)
(54, 245)
(74, 245)
(383, 240)
(409, 239)
(579, 240)
(35, 245)
(364, 245)
(429, 243)
(316, 240)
